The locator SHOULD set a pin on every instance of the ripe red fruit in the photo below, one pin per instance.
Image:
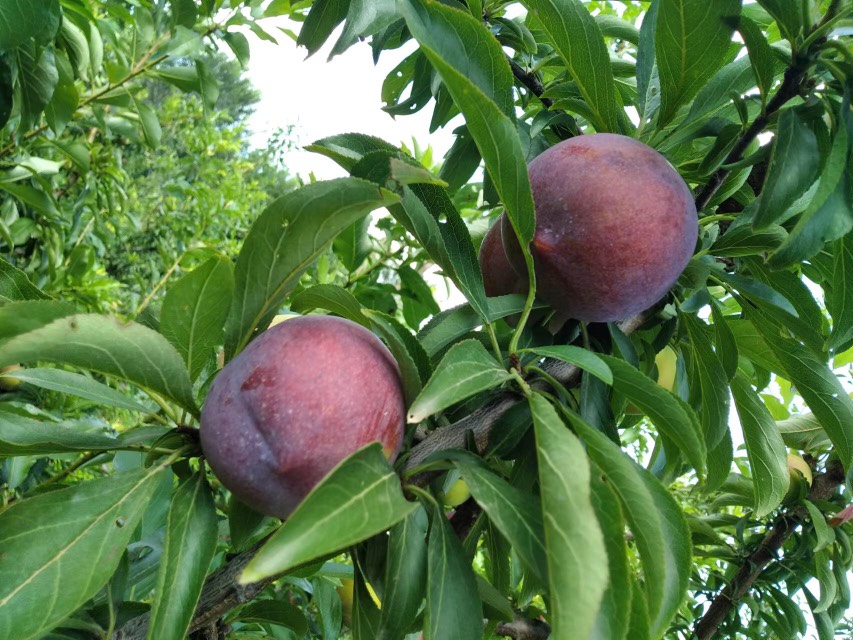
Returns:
(615, 227)
(303, 396)
(499, 278)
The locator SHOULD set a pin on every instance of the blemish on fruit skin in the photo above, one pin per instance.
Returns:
(260, 377)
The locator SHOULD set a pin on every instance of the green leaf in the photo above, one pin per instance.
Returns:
(184, 13)
(818, 385)
(744, 241)
(59, 111)
(151, 130)
(415, 367)
(324, 16)
(579, 42)
(709, 388)
(84, 529)
(613, 618)
(803, 432)
(581, 358)
(284, 241)
(35, 198)
(37, 78)
(794, 164)
(824, 534)
(208, 85)
(466, 369)
(656, 520)
(278, 612)
(194, 312)
(243, 523)
(510, 510)
(331, 298)
(7, 92)
(21, 20)
(16, 286)
(577, 557)
(691, 42)
(239, 45)
(760, 55)
(100, 343)
(352, 245)
(751, 344)
(23, 436)
(191, 533)
(358, 499)
(724, 341)
(787, 15)
(829, 215)
(614, 27)
(764, 446)
(348, 148)
(671, 417)
(839, 299)
(453, 607)
(78, 385)
(647, 76)
(364, 18)
(405, 576)
(20, 317)
(474, 70)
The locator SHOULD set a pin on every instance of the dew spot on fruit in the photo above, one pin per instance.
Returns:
(260, 377)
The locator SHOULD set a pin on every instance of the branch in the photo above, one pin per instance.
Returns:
(790, 88)
(530, 81)
(753, 566)
(524, 629)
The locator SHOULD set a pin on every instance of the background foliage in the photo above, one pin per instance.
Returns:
(604, 505)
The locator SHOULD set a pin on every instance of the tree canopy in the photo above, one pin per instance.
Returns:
(679, 473)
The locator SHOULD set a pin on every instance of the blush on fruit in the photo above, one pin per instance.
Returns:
(299, 399)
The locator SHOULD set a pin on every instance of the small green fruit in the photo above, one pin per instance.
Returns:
(456, 494)
(9, 384)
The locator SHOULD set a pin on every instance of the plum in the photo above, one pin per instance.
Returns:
(300, 398)
(615, 227)
(499, 278)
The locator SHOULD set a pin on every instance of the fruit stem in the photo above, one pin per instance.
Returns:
(494, 338)
(525, 388)
(528, 306)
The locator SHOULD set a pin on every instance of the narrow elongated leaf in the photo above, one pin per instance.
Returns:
(414, 363)
(578, 40)
(669, 415)
(655, 519)
(77, 385)
(787, 16)
(581, 358)
(453, 606)
(577, 558)
(358, 499)
(829, 215)
(352, 245)
(191, 532)
(16, 286)
(405, 576)
(724, 340)
(21, 436)
(647, 76)
(824, 534)
(839, 300)
(364, 18)
(691, 41)
(764, 446)
(760, 54)
(331, 298)
(820, 388)
(194, 312)
(61, 547)
(613, 618)
(474, 69)
(708, 382)
(348, 148)
(283, 242)
(744, 241)
(324, 16)
(793, 167)
(21, 20)
(17, 318)
(278, 612)
(509, 509)
(466, 369)
(99, 343)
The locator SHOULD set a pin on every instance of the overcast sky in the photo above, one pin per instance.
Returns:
(323, 98)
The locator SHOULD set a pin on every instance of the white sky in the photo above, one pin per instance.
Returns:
(324, 98)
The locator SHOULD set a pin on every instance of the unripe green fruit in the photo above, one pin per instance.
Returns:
(9, 384)
(801, 477)
(456, 494)
(615, 227)
(299, 399)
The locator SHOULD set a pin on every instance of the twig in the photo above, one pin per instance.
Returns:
(524, 629)
(753, 566)
(530, 81)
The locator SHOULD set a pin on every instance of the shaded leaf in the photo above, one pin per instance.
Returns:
(16, 286)
(361, 496)
(581, 358)
(405, 576)
(331, 298)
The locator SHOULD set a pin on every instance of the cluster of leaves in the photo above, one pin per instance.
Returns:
(760, 321)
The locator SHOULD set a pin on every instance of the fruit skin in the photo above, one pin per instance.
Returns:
(615, 227)
(499, 278)
(456, 494)
(666, 361)
(10, 384)
(801, 479)
(300, 398)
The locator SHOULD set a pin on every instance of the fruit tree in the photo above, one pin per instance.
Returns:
(236, 404)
